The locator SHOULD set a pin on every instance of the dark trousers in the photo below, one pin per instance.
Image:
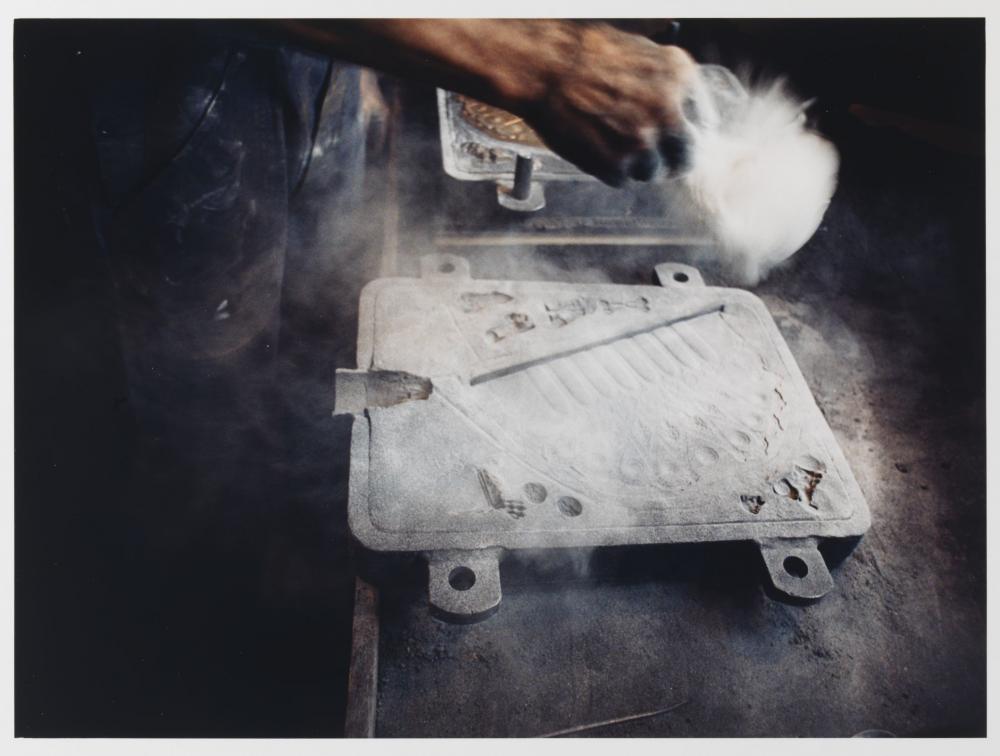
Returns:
(183, 197)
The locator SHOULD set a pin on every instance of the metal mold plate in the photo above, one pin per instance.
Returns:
(476, 154)
(504, 414)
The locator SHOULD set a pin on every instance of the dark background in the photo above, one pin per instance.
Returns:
(243, 628)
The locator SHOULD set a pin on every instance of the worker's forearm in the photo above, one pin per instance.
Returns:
(509, 63)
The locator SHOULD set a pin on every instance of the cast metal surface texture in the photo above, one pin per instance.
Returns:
(493, 415)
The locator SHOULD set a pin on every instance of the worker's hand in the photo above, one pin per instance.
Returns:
(615, 108)
(606, 100)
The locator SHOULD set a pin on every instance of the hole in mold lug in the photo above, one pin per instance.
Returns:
(795, 567)
(681, 277)
(447, 267)
(461, 578)
(569, 506)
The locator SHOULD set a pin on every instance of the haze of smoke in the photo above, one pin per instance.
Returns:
(760, 180)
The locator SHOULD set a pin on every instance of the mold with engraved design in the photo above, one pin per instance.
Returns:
(482, 142)
(495, 415)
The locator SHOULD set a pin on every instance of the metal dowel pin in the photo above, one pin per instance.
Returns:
(523, 169)
(522, 194)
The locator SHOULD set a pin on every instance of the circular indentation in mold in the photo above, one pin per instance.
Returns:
(795, 566)
(782, 488)
(447, 267)
(809, 463)
(681, 277)
(569, 506)
(739, 438)
(706, 455)
(461, 578)
(535, 492)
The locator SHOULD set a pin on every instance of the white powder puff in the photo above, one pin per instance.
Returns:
(760, 179)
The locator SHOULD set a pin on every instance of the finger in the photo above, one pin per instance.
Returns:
(643, 165)
(685, 90)
(693, 110)
(676, 138)
(676, 151)
(630, 152)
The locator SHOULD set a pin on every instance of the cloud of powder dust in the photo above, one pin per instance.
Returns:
(760, 180)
